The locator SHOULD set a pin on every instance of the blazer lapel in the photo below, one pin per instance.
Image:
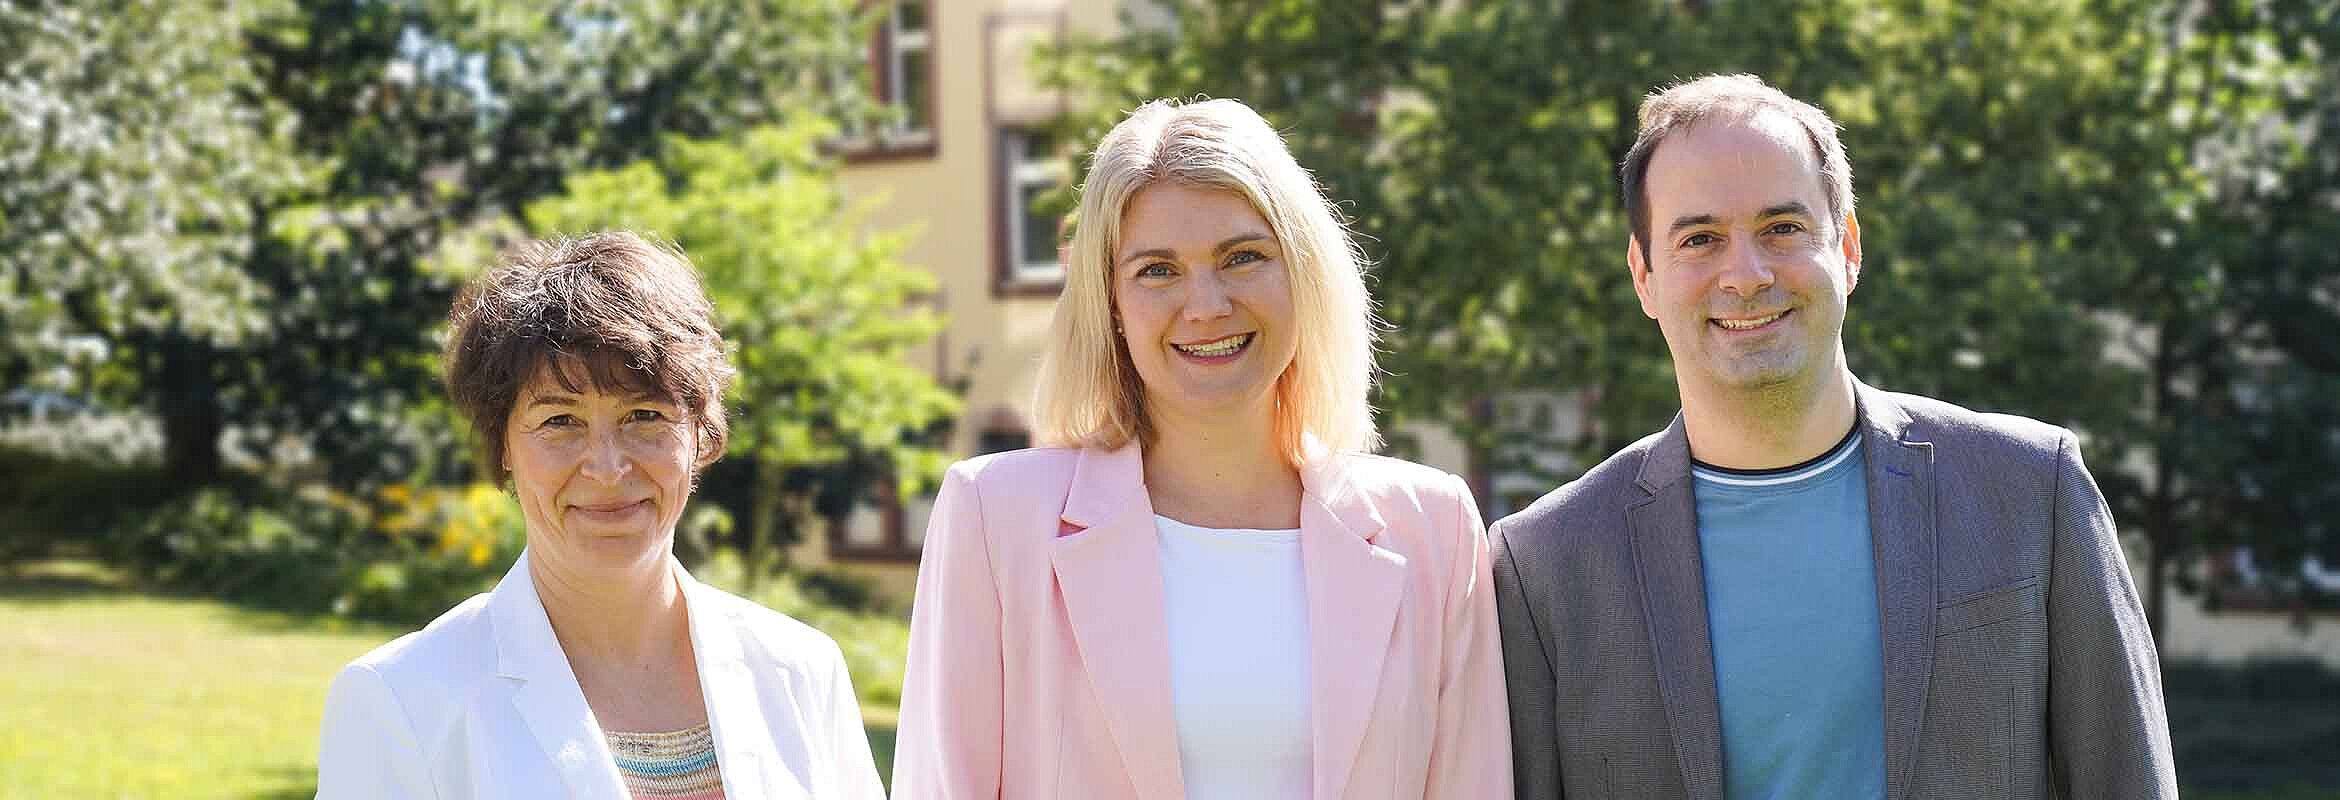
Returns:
(1354, 589)
(1109, 568)
(1901, 524)
(548, 696)
(735, 712)
(1673, 596)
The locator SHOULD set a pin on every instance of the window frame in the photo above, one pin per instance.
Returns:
(1019, 272)
(888, 48)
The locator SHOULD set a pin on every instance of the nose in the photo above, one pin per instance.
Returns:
(1206, 297)
(1744, 271)
(605, 459)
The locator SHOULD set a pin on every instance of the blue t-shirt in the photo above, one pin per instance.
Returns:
(1791, 605)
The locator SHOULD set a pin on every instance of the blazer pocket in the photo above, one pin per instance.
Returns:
(1983, 608)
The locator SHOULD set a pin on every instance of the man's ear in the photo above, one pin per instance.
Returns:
(1850, 242)
(1638, 263)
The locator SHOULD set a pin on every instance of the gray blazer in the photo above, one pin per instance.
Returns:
(2017, 659)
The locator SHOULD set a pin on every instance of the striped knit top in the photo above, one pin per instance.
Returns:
(674, 765)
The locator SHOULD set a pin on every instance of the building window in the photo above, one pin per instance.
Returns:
(873, 530)
(905, 71)
(1033, 171)
(901, 67)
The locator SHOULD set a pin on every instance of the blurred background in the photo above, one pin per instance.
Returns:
(230, 233)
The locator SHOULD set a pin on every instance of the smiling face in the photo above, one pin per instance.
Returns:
(601, 477)
(1204, 301)
(1746, 274)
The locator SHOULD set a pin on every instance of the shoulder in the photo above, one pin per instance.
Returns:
(1016, 467)
(768, 637)
(1425, 511)
(1987, 436)
(1011, 490)
(432, 667)
(1380, 477)
(1600, 493)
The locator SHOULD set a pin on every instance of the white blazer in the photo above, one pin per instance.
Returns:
(482, 704)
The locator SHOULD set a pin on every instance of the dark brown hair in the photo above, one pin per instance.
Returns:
(630, 312)
(1736, 97)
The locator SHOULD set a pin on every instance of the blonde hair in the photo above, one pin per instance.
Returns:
(1089, 393)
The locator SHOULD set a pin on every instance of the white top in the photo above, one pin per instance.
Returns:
(1237, 607)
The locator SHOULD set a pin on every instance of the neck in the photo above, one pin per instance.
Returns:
(1221, 471)
(1771, 427)
(632, 617)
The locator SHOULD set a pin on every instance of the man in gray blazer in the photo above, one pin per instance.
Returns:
(1806, 587)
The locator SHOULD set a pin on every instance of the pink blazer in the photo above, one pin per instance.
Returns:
(1039, 663)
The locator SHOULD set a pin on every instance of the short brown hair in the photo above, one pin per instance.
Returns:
(630, 311)
(1737, 97)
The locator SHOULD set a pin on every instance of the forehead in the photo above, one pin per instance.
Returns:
(1181, 217)
(599, 377)
(1731, 167)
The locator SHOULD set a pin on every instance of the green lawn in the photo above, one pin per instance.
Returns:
(107, 692)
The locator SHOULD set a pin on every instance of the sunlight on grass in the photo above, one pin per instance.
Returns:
(115, 694)
(111, 693)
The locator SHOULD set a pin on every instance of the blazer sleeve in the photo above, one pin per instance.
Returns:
(368, 748)
(2106, 723)
(1535, 750)
(1470, 756)
(949, 743)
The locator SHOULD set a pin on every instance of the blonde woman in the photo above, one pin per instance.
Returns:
(1204, 587)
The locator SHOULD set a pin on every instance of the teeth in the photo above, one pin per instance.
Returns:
(1217, 348)
(1747, 324)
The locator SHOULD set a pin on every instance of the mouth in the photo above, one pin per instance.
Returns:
(1746, 324)
(610, 512)
(1217, 350)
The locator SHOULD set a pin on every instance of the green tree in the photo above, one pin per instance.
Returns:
(135, 152)
(227, 210)
(2102, 214)
(821, 317)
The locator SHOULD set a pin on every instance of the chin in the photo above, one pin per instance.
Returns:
(618, 549)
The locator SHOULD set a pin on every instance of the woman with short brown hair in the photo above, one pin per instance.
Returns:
(592, 374)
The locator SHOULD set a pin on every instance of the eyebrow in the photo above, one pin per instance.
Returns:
(1692, 221)
(1790, 208)
(1223, 247)
(568, 401)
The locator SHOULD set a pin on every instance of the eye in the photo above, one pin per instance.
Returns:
(1700, 239)
(645, 415)
(1784, 228)
(1157, 269)
(1240, 257)
(561, 421)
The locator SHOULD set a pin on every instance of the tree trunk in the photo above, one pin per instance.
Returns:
(2161, 523)
(192, 420)
(763, 515)
(2157, 584)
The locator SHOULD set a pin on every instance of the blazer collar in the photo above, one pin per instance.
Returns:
(549, 698)
(1108, 565)
(1898, 463)
(547, 695)
(1668, 460)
